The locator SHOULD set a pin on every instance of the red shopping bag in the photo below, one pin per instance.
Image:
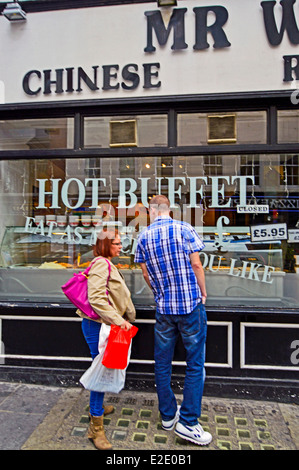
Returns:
(117, 349)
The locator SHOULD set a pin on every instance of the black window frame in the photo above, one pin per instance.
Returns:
(164, 105)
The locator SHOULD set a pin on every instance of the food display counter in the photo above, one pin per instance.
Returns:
(236, 269)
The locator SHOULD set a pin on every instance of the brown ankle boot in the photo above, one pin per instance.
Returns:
(97, 434)
(108, 409)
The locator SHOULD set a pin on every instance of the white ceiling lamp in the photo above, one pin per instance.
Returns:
(13, 12)
(167, 3)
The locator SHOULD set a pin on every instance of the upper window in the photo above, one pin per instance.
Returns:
(288, 126)
(29, 134)
(222, 128)
(132, 131)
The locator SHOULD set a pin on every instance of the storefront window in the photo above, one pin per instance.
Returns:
(32, 134)
(288, 126)
(122, 131)
(244, 207)
(220, 128)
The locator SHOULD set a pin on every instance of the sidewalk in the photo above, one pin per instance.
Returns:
(34, 417)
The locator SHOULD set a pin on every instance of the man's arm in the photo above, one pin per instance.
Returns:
(199, 273)
(145, 274)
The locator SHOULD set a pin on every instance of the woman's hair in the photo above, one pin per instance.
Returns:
(104, 241)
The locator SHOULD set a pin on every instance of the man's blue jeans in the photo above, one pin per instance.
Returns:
(91, 332)
(193, 330)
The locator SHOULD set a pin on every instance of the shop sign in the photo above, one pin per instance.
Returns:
(253, 209)
(211, 26)
(269, 232)
(284, 203)
(128, 187)
(293, 236)
(249, 270)
(113, 78)
(58, 197)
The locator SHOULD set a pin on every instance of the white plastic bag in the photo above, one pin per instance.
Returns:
(99, 378)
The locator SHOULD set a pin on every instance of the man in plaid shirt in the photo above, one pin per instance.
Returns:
(168, 251)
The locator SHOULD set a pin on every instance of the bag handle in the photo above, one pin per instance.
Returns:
(86, 272)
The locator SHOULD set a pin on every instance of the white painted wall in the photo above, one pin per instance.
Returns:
(117, 35)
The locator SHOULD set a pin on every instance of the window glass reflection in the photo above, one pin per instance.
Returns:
(288, 126)
(248, 127)
(245, 207)
(30, 134)
(122, 131)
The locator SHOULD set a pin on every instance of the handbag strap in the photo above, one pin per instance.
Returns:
(86, 272)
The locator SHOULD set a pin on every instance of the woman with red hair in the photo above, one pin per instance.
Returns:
(112, 302)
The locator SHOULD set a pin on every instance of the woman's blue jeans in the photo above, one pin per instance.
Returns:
(91, 332)
(193, 330)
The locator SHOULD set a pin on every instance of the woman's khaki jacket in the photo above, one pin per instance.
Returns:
(119, 295)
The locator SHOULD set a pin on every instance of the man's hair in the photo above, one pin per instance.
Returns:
(160, 202)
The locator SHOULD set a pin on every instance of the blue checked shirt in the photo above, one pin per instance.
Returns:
(165, 247)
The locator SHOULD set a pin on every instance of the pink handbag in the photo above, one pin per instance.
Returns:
(76, 291)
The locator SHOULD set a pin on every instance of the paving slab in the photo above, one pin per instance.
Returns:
(22, 409)
(136, 424)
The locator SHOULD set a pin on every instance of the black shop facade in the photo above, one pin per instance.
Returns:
(197, 101)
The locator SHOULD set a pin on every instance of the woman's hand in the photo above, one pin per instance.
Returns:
(126, 325)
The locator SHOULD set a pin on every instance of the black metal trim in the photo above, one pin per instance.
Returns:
(172, 128)
(78, 132)
(52, 5)
(149, 151)
(272, 126)
(214, 99)
(233, 310)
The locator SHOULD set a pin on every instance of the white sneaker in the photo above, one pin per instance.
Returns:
(194, 434)
(169, 425)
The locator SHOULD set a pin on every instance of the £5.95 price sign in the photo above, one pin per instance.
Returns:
(262, 233)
